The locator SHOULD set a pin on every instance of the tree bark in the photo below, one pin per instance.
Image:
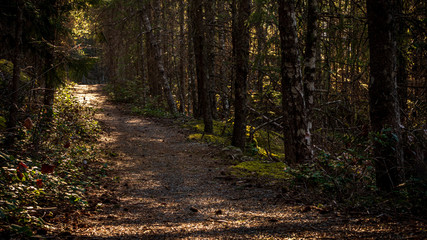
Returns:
(223, 70)
(50, 69)
(401, 73)
(241, 60)
(210, 54)
(384, 105)
(297, 136)
(201, 68)
(310, 63)
(152, 73)
(191, 75)
(259, 60)
(16, 72)
(142, 60)
(160, 63)
(155, 88)
(182, 99)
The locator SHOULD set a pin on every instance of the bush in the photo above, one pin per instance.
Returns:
(50, 166)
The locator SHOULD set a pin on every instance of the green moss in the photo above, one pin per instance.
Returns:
(193, 124)
(273, 170)
(221, 132)
(276, 143)
(222, 135)
(219, 128)
(263, 153)
(209, 138)
(269, 142)
(2, 123)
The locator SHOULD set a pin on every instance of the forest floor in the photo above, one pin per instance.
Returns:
(163, 186)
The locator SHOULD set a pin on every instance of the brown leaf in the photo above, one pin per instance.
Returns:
(28, 123)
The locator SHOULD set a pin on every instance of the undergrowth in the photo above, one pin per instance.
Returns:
(343, 174)
(49, 168)
(345, 177)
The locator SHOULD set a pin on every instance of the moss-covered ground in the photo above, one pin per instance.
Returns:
(265, 149)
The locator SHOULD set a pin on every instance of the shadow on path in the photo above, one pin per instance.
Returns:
(167, 189)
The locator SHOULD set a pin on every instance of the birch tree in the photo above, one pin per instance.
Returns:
(296, 131)
(160, 63)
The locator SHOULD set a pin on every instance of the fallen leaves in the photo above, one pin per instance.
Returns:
(39, 183)
(47, 168)
(28, 123)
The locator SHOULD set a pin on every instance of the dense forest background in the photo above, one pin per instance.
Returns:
(335, 90)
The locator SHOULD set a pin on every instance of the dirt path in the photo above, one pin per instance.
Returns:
(168, 188)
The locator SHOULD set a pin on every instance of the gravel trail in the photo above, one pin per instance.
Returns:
(167, 187)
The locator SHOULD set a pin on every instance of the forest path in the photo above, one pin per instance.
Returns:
(169, 188)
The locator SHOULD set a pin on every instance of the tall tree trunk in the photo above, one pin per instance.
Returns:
(152, 73)
(223, 80)
(191, 75)
(16, 72)
(384, 105)
(259, 60)
(181, 58)
(242, 67)
(142, 59)
(401, 74)
(160, 63)
(297, 138)
(153, 76)
(51, 77)
(210, 54)
(201, 68)
(310, 63)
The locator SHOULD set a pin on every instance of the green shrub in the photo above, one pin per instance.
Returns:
(50, 166)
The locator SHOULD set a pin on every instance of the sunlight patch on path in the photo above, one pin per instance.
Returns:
(167, 188)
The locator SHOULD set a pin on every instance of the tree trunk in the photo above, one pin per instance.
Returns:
(50, 69)
(210, 54)
(160, 64)
(201, 68)
(152, 73)
(384, 105)
(155, 88)
(401, 74)
(310, 63)
(142, 59)
(223, 80)
(297, 136)
(259, 60)
(16, 72)
(191, 80)
(241, 60)
(181, 58)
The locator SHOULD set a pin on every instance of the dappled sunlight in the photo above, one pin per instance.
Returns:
(164, 186)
